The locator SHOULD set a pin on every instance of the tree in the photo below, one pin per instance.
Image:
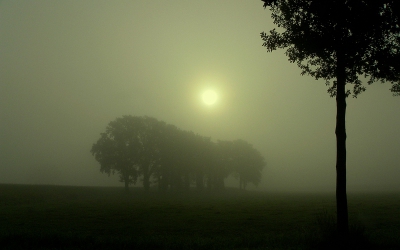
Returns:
(248, 163)
(131, 147)
(168, 156)
(340, 40)
(150, 132)
(217, 165)
(204, 159)
(117, 150)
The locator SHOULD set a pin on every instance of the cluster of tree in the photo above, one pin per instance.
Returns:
(162, 154)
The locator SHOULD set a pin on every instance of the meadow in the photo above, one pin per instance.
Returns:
(64, 217)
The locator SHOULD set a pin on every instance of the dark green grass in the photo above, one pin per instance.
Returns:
(57, 217)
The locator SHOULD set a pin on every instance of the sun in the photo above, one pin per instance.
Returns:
(209, 97)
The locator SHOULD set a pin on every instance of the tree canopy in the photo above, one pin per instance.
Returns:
(317, 34)
(143, 147)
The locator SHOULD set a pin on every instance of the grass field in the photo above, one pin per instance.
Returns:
(61, 217)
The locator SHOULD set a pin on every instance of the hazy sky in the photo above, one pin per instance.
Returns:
(68, 68)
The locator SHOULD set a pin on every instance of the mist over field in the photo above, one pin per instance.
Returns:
(68, 68)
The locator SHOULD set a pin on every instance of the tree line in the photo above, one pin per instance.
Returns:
(171, 158)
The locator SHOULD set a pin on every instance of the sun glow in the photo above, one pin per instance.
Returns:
(209, 97)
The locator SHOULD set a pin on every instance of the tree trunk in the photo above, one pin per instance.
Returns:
(146, 176)
(126, 181)
(340, 131)
(162, 178)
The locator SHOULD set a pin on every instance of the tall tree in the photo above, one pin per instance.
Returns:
(340, 40)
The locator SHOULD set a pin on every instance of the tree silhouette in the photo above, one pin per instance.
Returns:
(204, 159)
(117, 150)
(150, 138)
(340, 40)
(248, 163)
(131, 147)
(168, 157)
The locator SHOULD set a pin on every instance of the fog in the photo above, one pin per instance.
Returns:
(68, 68)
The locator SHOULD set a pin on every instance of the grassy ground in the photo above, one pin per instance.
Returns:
(56, 217)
